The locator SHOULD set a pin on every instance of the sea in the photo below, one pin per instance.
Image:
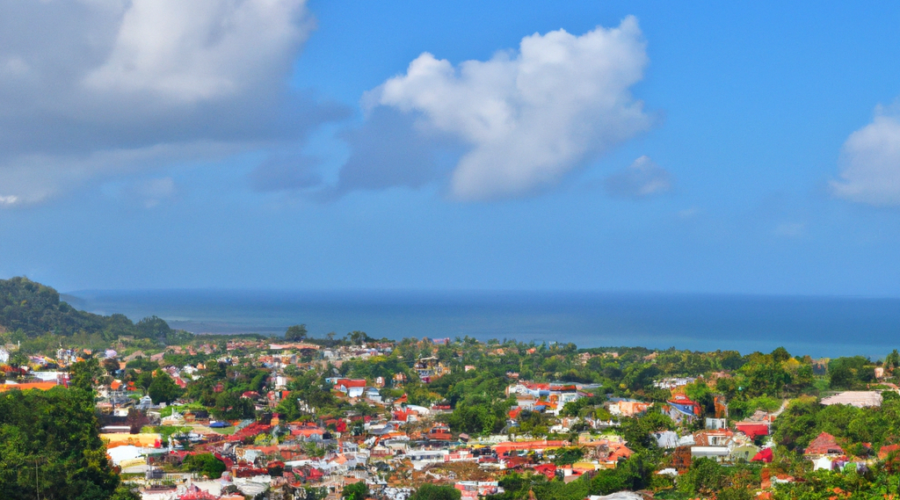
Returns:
(815, 326)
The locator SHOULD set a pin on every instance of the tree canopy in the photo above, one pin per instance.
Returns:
(50, 446)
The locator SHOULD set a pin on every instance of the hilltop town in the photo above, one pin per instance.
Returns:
(357, 417)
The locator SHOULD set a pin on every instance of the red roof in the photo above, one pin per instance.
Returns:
(548, 470)
(348, 382)
(402, 415)
(886, 450)
(824, 444)
(30, 385)
(764, 455)
(753, 429)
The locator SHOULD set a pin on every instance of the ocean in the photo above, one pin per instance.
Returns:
(817, 326)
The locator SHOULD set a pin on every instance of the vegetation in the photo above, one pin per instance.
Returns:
(34, 315)
(50, 447)
(356, 491)
(205, 464)
(435, 492)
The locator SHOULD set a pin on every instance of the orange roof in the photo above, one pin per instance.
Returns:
(347, 382)
(529, 445)
(32, 385)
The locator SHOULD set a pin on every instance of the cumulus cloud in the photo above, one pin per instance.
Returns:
(87, 80)
(870, 163)
(29, 179)
(388, 151)
(524, 118)
(199, 50)
(642, 179)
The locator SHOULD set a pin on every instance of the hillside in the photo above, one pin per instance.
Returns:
(36, 309)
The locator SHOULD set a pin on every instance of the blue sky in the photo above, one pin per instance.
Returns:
(650, 146)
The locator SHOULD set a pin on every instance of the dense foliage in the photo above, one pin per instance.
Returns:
(50, 447)
(435, 492)
(205, 464)
(29, 310)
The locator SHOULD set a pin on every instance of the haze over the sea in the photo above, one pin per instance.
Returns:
(818, 326)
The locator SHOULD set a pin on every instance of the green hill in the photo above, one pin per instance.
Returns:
(35, 309)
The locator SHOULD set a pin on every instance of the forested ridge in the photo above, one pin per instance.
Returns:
(30, 309)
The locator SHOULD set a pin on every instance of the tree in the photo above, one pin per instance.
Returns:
(144, 379)
(356, 491)
(229, 406)
(153, 328)
(703, 477)
(840, 378)
(136, 420)
(50, 448)
(206, 464)
(296, 333)
(357, 337)
(289, 408)
(83, 373)
(163, 389)
(434, 492)
(892, 360)
(111, 365)
(780, 354)
(18, 360)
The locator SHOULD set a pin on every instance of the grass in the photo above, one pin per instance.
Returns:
(227, 431)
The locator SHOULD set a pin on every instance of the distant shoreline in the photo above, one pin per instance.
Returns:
(818, 326)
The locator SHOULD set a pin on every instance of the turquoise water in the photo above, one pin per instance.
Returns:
(818, 326)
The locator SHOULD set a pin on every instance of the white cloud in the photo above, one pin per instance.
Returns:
(39, 177)
(93, 89)
(201, 49)
(870, 163)
(642, 179)
(527, 117)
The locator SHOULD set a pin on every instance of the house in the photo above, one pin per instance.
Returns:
(373, 395)
(886, 450)
(765, 456)
(353, 388)
(666, 439)
(681, 408)
(30, 385)
(430, 368)
(627, 407)
(716, 423)
(744, 453)
(753, 429)
(717, 453)
(439, 432)
(673, 383)
(859, 399)
(823, 445)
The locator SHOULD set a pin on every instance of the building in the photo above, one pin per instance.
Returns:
(353, 388)
(859, 399)
(823, 445)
